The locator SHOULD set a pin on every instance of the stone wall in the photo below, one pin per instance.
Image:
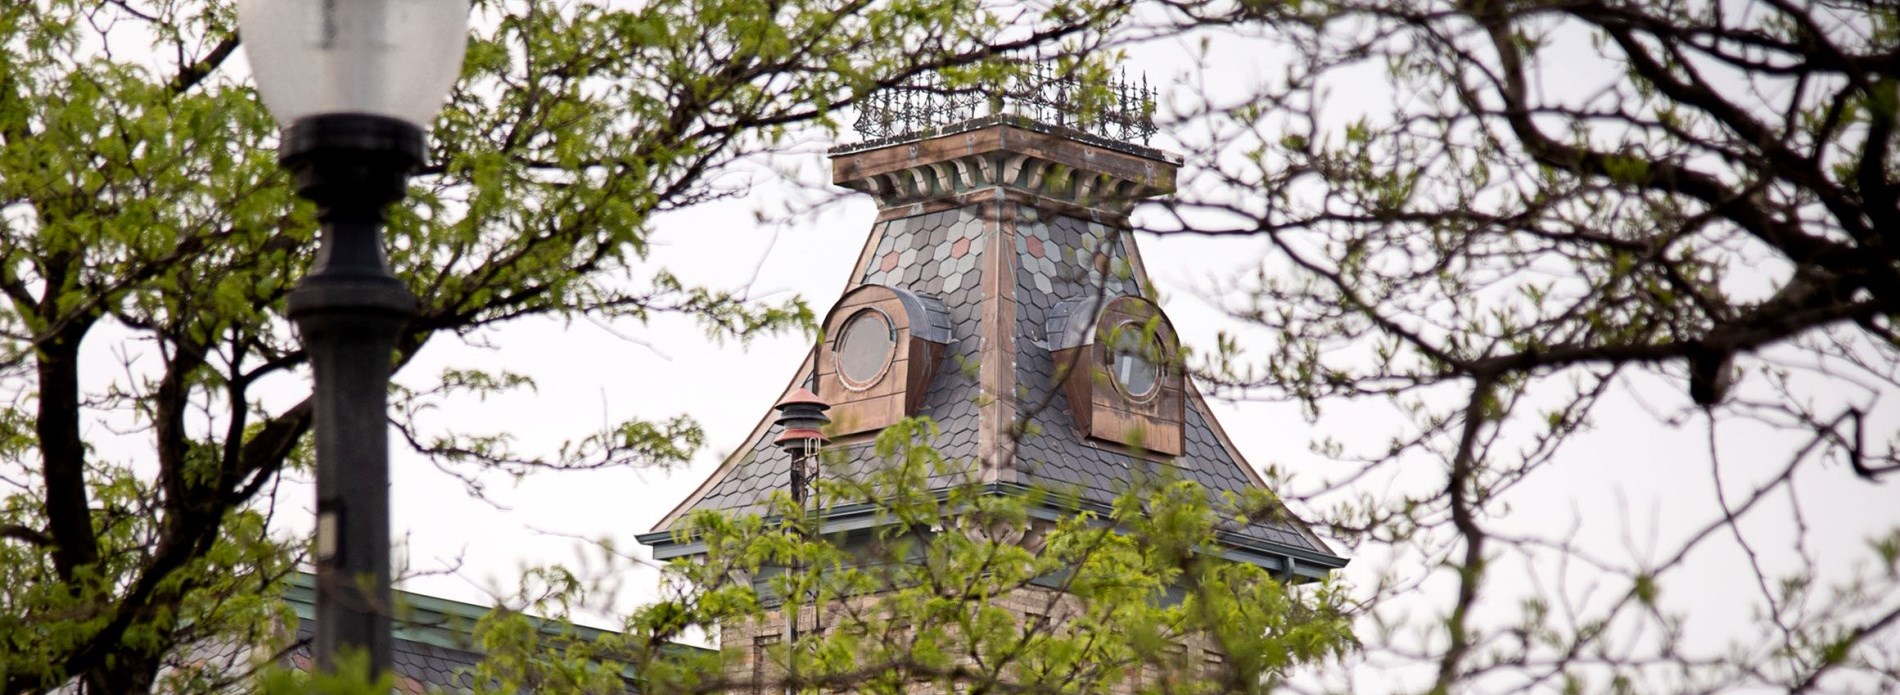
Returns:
(760, 665)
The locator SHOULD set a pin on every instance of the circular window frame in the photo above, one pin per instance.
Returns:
(1111, 353)
(837, 351)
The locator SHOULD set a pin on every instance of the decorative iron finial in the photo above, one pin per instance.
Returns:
(1115, 109)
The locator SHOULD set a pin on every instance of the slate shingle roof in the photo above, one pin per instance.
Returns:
(937, 258)
(419, 667)
(432, 648)
(1058, 282)
(1060, 263)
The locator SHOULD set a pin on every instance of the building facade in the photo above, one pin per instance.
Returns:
(1000, 294)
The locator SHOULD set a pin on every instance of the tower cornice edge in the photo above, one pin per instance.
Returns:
(1044, 168)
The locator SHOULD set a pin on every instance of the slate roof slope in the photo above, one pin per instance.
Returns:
(419, 667)
(433, 650)
(1050, 209)
(432, 646)
(1058, 276)
(937, 256)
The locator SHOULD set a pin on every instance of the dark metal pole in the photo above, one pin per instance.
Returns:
(803, 475)
(799, 457)
(350, 311)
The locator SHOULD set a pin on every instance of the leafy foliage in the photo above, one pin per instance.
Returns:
(1509, 221)
(954, 589)
(140, 206)
(1535, 205)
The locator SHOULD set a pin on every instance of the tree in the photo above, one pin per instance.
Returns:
(1542, 208)
(140, 207)
(957, 589)
(1510, 219)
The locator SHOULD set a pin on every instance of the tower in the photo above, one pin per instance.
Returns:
(999, 294)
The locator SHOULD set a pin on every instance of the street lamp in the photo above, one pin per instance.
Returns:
(801, 416)
(353, 83)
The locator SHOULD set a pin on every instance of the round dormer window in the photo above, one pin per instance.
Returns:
(865, 348)
(1131, 364)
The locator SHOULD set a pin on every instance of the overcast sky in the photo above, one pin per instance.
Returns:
(1631, 487)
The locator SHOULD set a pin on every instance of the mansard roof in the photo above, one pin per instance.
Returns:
(1011, 250)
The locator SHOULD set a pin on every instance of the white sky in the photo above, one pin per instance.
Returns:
(1631, 486)
(1630, 490)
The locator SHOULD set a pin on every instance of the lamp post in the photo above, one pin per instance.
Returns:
(353, 83)
(801, 416)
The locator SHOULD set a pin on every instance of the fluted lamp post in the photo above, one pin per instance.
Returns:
(354, 84)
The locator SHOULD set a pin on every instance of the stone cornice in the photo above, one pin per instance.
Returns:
(1050, 166)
